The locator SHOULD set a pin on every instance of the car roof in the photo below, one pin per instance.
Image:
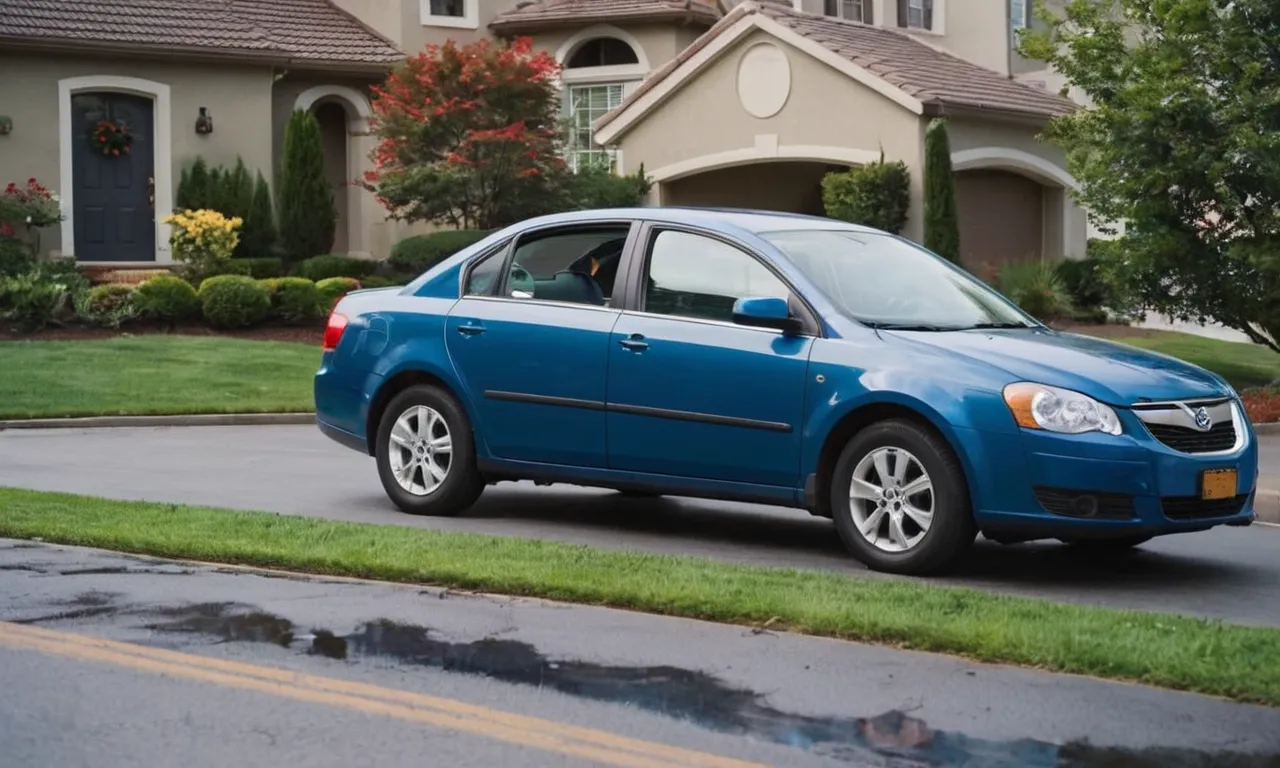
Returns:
(754, 221)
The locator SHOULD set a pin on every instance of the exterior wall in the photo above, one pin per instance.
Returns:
(401, 21)
(1016, 148)
(975, 30)
(705, 118)
(238, 99)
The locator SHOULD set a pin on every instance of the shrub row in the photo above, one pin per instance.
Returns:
(224, 302)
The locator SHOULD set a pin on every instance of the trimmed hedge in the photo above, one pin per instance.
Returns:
(334, 288)
(167, 298)
(234, 301)
(109, 298)
(419, 253)
(319, 268)
(294, 299)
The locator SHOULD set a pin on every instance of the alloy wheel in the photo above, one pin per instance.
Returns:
(891, 499)
(420, 450)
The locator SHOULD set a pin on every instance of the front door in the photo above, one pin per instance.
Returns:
(691, 394)
(113, 209)
(532, 351)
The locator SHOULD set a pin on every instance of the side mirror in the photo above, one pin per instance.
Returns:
(766, 312)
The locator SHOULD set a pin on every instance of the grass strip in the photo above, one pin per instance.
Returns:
(1241, 663)
(1244, 365)
(155, 375)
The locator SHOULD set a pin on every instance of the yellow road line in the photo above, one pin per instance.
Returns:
(547, 735)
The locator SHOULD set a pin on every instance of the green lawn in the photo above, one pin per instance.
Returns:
(1244, 365)
(154, 375)
(1242, 663)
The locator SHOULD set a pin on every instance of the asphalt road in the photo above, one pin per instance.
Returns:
(1228, 573)
(110, 661)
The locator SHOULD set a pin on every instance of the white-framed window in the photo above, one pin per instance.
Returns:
(921, 14)
(849, 10)
(1019, 13)
(586, 104)
(463, 14)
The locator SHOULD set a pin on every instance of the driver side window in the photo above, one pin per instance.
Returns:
(697, 276)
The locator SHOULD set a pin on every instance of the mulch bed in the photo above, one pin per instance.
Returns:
(303, 335)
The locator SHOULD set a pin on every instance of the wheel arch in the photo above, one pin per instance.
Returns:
(394, 385)
(865, 415)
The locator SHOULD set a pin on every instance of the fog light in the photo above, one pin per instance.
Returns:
(1086, 506)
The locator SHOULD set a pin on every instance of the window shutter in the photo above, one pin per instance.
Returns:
(928, 14)
(903, 12)
(867, 12)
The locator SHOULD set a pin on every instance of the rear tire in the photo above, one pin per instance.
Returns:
(919, 519)
(426, 453)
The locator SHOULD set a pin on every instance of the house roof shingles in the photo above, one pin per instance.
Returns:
(552, 13)
(935, 78)
(299, 31)
(930, 75)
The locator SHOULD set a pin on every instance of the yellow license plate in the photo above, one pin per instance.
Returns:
(1218, 484)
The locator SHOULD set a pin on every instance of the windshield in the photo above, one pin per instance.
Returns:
(887, 282)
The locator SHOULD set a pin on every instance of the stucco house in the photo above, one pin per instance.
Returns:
(724, 102)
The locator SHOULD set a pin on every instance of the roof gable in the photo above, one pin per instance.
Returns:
(300, 32)
(916, 76)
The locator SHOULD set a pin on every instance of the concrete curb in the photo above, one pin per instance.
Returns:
(1266, 503)
(194, 420)
(1270, 428)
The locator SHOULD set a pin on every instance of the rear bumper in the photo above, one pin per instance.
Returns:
(354, 442)
(1101, 485)
(342, 405)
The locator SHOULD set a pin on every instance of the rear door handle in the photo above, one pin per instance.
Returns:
(635, 343)
(471, 329)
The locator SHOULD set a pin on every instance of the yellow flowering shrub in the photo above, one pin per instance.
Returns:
(203, 238)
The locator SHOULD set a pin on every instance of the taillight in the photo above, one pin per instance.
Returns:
(333, 331)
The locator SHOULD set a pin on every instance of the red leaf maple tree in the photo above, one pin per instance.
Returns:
(469, 136)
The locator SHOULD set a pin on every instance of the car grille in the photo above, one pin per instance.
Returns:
(1196, 508)
(1175, 425)
(1096, 506)
(1220, 437)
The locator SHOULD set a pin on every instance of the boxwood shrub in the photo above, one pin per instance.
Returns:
(234, 301)
(334, 288)
(294, 299)
(419, 253)
(167, 298)
(319, 268)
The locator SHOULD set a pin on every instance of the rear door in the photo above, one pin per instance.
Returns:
(532, 347)
(691, 393)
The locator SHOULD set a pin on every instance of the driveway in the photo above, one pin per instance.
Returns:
(1228, 573)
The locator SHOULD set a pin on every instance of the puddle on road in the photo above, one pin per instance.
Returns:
(683, 694)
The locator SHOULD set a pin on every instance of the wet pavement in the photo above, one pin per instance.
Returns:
(1227, 573)
(747, 695)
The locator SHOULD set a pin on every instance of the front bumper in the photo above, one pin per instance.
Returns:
(1100, 485)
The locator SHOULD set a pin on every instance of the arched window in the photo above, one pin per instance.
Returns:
(602, 52)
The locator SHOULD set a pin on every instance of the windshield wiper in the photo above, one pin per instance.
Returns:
(995, 326)
(910, 327)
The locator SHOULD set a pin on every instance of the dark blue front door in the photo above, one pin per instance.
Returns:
(113, 211)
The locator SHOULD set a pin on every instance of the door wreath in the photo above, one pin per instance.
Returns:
(111, 139)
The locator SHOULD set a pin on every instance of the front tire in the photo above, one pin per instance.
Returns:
(900, 501)
(426, 453)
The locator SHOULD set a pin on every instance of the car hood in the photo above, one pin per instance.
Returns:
(1114, 373)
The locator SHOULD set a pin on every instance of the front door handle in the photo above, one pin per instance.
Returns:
(635, 343)
(151, 192)
(471, 329)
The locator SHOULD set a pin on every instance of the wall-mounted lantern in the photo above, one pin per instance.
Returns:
(204, 123)
(6, 125)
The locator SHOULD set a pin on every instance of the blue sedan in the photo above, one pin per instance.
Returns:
(779, 359)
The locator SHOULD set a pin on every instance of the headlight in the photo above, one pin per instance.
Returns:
(1036, 406)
